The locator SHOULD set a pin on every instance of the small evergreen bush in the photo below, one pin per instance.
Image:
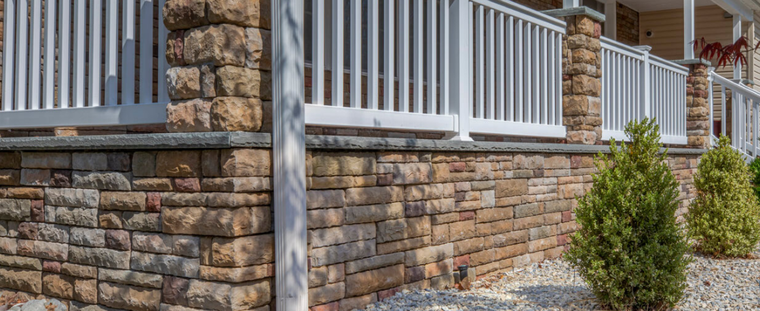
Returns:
(629, 248)
(724, 218)
(754, 168)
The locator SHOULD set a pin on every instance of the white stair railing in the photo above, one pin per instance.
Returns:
(743, 114)
(635, 85)
(63, 70)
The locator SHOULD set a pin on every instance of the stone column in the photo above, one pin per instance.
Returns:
(581, 79)
(219, 53)
(697, 107)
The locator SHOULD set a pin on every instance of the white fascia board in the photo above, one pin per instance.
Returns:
(736, 7)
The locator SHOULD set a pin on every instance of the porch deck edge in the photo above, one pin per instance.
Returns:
(223, 140)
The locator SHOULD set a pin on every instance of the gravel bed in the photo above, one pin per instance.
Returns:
(554, 285)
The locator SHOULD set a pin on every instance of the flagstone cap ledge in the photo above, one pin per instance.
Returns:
(224, 140)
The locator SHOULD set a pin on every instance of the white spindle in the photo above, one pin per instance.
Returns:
(64, 51)
(48, 96)
(128, 54)
(146, 51)
(403, 56)
(558, 86)
(318, 52)
(536, 71)
(34, 55)
(723, 110)
(519, 78)
(479, 63)
(96, 18)
(543, 111)
(111, 56)
(388, 41)
(430, 57)
(373, 55)
(490, 64)
(163, 65)
(418, 46)
(356, 54)
(500, 67)
(551, 77)
(9, 32)
(444, 53)
(336, 75)
(21, 54)
(528, 118)
(510, 52)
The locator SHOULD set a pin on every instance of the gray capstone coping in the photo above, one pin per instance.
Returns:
(581, 10)
(224, 140)
(692, 61)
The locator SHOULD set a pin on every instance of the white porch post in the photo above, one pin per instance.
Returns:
(460, 68)
(288, 156)
(610, 19)
(566, 4)
(737, 31)
(688, 29)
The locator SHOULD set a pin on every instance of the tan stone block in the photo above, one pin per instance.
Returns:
(23, 280)
(439, 268)
(493, 214)
(246, 162)
(511, 187)
(325, 199)
(373, 263)
(86, 291)
(222, 44)
(178, 163)
(373, 195)
(152, 184)
(529, 222)
(184, 14)
(236, 275)
(219, 199)
(326, 293)
(216, 221)
(403, 245)
(428, 192)
(408, 173)
(400, 229)
(468, 246)
(128, 297)
(374, 213)
(341, 253)
(510, 238)
(336, 273)
(244, 251)
(429, 254)
(183, 82)
(10, 159)
(259, 48)
(46, 160)
(510, 251)
(342, 234)
(230, 114)
(189, 116)
(374, 280)
(331, 164)
(482, 257)
(10, 177)
(125, 201)
(324, 218)
(238, 81)
(238, 12)
(349, 304)
(462, 230)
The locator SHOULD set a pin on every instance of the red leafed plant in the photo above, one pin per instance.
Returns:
(725, 54)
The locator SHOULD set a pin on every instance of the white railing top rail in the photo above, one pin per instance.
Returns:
(621, 48)
(525, 13)
(736, 87)
(666, 64)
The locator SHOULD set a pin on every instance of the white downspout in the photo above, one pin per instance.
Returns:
(688, 29)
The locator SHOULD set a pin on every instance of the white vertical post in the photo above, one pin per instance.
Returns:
(444, 61)
(645, 89)
(9, 32)
(688, 29)
(479, 47)
(163, 65)
(710, 102)
(418, 46)
(22, 46)
(112, 52)
(373, 55)
(337, 54)
(80, 21)
(128, 54)
(356, 53)
(48, 97)
(403, 56)
(490, 66)
(460, 67)
(388, 41)
(509, 49)
(96, 18)
(566, 4)
(610, 20)
(500, 86)
(35, 36)
(318, 52)
(146, 51)
(288, 156)
(430, 57)
(64, 53)
(737, 33)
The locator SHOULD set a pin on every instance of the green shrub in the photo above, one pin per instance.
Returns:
(629, 248)
(754, 168)
(724, 218)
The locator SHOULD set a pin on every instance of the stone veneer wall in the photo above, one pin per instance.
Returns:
(192, 229)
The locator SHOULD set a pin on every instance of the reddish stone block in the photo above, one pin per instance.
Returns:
(384, 179)
(383, 294)
(38, 210)
(118, 239)
(468, 215)
(27, 230)
(175, 290)
(567, 216)
(333, 306)
(51, 266)
(414, 274)
(414, 209)
(562, 239)
(153, 202)
(187, 185)
(60, 178)
(461, 260)
(457, 167)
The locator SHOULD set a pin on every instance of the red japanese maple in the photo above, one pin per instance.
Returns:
(725, 54)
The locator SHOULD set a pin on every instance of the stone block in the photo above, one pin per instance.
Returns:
(101, 257)
(229, 114)
(238, 81)
(244, 251)
(189, 116)
(10, 177)
(87, 237)
(45, 250)
(175, 290)
(246, 162)
(326, 293)
(57, 285)
(374, 263)
(128, 297)
(71, 197)
(118, 239)
(10, 159)
(324, 218)
(127, 277)
(73, 216)
(374, 213)
(429, 254)
(238, 199)
(183, 82)
(178, 163)
(165, 264)
(219, 296)
(53, 233)
(144, 164)
(184, 14)
(23, 280)
(142, 221)
(374, 280)
(400, 229)
(46, 160)
(222, 44)
(341, 253)
(408, 173)
(373, 195)
(102, 180)
(353, 164)
(511, 187)
(325, 199)
(21, 262)
(236, 275)
(35, 177)
(258, 48)
(89, 161)
(124, 201)
(15, 209)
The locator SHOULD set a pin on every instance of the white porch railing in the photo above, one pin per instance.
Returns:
(635, 85)
(64, 69)
(517, 70)
(481, 66)
(745, 109)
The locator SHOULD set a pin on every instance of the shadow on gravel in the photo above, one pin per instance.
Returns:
(557, 297)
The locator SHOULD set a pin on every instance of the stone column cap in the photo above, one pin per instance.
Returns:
(692, 61)
(581, 10)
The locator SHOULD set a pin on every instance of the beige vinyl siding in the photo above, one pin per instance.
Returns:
(755, 74)
(667, 41)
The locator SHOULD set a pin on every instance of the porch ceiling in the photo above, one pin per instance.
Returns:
(659, 5)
